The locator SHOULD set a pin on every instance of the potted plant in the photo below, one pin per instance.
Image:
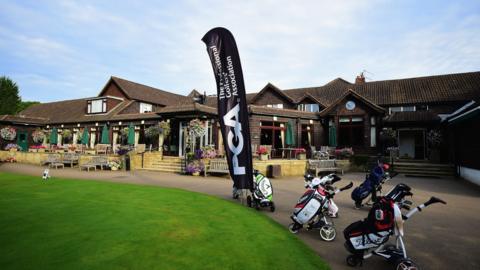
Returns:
(164, 128)
(67, 135)
(263, 153)
(434, 138)
(8, 133)
(343, 153)
(115, 165)
(194, 167)
(12, 147)
(300, 153)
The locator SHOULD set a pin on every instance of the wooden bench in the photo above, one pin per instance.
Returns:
(53, 160)
(101, 161)
(216, 166)
(70, 158)
(319, 166)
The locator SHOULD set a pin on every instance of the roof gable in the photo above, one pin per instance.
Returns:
(274, 89)
(351, 92)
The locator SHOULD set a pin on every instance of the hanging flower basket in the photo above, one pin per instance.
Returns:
(196, 128)
(67, 134)
(38, 136)
(8, 133)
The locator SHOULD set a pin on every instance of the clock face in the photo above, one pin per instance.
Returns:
(350, 105)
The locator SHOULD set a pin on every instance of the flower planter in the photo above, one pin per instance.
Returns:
(263, 157)
(196, 173)
(41, 150)
(32, 150)
(302, 156)
(114, 168)
(13, 150)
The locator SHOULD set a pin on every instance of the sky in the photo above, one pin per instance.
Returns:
(57, 50)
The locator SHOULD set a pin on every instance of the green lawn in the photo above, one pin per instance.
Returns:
(74, 224)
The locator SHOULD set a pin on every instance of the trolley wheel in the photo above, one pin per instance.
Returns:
(293, 228)
(358, 205)
(272, 207)
(327, 233)
(249, 201)
(353, 260)
(405, 264)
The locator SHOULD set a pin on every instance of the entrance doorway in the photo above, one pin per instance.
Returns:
(22, 140)
(411, 144)
(351, 131)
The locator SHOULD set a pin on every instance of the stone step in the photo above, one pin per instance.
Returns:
(421, 164)
(426, 172)
(163, 170)
(442, 169)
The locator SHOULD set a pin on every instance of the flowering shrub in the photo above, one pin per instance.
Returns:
(10, 159)
(115, 164)
(209, 152)
(299, 151)
(196, 128)
(123, 150)
(194, 167)
(12, 146)
(153, 131)
(37, 147)
(165, 127)
(38, 136)
(262, 150)
(434, 138)
(344, 153)
(8, 133)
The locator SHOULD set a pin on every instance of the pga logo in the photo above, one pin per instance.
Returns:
(231, 120)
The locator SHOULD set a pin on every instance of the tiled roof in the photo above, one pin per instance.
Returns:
(147, 93)
(22, 119)
(418, 116)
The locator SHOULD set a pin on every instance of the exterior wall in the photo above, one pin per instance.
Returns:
(271, 97)
(360, 110)
(317, 133)
(113, 90)
(472, 175)
(111, 103)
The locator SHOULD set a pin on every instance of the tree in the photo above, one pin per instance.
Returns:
(10, 100)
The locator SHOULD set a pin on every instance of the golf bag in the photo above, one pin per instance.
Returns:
(312, 209)
(370, 236)
(370, 185)
(262, 195)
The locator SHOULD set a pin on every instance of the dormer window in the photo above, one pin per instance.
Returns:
(97, 106)
(308, 107)
(145, 107)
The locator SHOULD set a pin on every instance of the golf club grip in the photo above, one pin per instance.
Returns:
(347, 187)
(434, 200)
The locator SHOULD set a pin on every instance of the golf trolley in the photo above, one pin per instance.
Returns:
(262, 194)
(370, 236)
(312, 208)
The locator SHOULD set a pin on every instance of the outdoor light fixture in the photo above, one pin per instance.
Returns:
(78, 125)
(275, 118)
(120, 123)
(96, 124)
(48, 126)
(62, 125)
(311, 121)
(143, 122)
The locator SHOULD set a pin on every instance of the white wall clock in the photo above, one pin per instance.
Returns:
(350, 105)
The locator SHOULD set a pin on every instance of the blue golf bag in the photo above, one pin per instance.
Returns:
(373, 180)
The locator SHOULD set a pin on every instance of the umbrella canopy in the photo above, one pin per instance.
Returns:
(54, 136)
(131, 134)
(105, 138)
(85, 136)
(290, 136)
(332, 136)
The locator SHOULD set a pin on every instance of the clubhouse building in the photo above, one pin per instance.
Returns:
(371, 117)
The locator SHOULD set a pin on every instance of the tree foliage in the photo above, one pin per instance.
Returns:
(10, 100)
(25, 104)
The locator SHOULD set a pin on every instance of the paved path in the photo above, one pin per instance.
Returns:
(441, 237)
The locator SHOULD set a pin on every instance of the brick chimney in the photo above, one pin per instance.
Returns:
(360, 79)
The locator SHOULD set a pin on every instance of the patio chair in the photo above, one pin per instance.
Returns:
(71, 158)
(101, 149)
(140, 148)
(80, 149)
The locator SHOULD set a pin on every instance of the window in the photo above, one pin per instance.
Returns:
(308, 107)
(97, 106)
(145, 107)
(278, 106)
(402, 109)
(373, 132)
